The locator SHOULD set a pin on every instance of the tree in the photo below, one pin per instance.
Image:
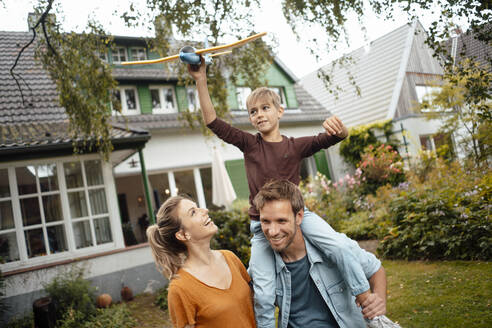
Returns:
(218, 19)
(464, 103)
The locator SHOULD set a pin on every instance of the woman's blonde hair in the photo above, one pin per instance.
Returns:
(169, 252)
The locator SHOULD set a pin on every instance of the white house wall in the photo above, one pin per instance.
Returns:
(134, 268)
(415, 127)
(167, 152)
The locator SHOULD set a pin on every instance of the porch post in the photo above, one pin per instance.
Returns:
(146, 187)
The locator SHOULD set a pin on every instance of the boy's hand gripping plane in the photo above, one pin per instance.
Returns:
(190, 55)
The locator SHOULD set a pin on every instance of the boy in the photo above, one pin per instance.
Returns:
(269, 155)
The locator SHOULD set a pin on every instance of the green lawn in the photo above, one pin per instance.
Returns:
(420, 294)
(440, 294)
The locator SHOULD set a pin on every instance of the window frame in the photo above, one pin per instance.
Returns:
(160, 88)
(196, 98)
(66, 220)
(124, 107)
(137, 49)
(118, 49)
(241, 96)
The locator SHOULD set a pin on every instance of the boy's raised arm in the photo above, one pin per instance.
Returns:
(200, 77)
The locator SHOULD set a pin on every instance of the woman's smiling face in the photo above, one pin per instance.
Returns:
(195, 221)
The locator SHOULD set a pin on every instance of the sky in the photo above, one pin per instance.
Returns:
(13, 17)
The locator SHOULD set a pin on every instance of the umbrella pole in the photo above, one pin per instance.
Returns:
(146, 187)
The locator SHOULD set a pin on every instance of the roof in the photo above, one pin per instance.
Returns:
(43, 107)
(41, 124)
(468, 45)
(41, 100)
(379, 70)
(41, 139)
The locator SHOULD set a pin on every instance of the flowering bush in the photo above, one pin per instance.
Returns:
(344, 208)
(448, 216)
(379, 166)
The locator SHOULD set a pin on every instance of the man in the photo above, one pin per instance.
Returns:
(311, 292)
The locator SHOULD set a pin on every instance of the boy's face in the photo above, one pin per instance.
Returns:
(264, 116)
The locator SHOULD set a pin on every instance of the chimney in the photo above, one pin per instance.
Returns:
(32, 19)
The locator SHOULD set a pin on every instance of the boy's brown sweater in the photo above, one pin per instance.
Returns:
(265, 160)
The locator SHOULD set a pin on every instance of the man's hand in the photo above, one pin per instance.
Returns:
(372, 306)
(335, 127)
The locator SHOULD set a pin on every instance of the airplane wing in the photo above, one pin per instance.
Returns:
(231, 45)
(201, 51)
(151, 61)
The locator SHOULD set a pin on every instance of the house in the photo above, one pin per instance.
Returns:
(392, 73)
(469, 45)
(58, 209)
(178, 159)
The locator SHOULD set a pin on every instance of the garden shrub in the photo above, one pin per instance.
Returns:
(360, 137)
(26, 321)
(380, 166)
(359, 226)
(233, 233)
(114, 317)
(70, 290)
(445, 218)
(161, 298)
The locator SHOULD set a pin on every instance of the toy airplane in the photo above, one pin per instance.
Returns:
(190, 55)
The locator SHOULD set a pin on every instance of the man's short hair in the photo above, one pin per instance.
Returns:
(263, 93)
(279, 190)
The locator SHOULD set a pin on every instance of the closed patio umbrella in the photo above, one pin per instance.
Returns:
(223, 193)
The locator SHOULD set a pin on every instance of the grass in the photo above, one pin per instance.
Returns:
(440, 294)
(420, 294)
(147, 314)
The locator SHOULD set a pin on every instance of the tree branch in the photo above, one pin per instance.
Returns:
(41, 20)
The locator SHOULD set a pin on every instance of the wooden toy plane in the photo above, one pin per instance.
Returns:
(190, 55)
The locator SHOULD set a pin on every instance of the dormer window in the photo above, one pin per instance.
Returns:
(163, 99)
(128, 97)
(138, 54)
(119, 55)
(192, 97)
(103, 56)
(242, 94)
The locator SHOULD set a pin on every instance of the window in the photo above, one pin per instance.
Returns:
(119, 55)
(280, 92)
(163, 99)
(192, 97)
(87, 202)
(138, 54)
(40, 204)
(242, 94)
(425, 93)
(9, 250)
(103, 56)
(440, 143)
(52, 208)
(128, 98)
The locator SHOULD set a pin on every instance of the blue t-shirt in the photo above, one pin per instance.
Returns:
(307, 308)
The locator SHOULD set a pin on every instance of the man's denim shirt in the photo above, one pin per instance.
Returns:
(330, 284)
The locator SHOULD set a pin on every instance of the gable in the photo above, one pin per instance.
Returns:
(375, 70)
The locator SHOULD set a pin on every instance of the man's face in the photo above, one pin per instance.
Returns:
(264, 116)
(279, 224)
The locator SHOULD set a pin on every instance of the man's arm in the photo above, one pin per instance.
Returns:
(200, 77)
(374, 303)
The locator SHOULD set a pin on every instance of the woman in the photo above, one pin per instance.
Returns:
(208, 288)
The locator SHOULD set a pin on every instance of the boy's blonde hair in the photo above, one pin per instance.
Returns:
(263, 92)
